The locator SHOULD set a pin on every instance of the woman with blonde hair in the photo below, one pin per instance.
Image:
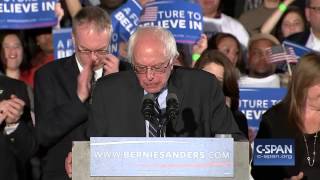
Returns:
(296, 117)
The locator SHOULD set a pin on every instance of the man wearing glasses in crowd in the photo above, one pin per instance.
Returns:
(117, 99)
(62, 90)
(310, 38)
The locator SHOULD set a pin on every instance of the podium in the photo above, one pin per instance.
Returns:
(81, 165)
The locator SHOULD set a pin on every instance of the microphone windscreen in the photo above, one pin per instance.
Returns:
(172, 96)
(148, 96)
(147, 108)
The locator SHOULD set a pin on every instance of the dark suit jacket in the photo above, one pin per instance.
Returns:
(275, 124)
(60, 115)
(17, 147)
(242, 122)
(117, 100)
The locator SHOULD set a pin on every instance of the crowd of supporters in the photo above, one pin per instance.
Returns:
(235, 47)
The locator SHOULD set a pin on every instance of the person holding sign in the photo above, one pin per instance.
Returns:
(63, 89)
(296, 117)
(285, 21)
(216, 21)
(254, 18)
(152, 51)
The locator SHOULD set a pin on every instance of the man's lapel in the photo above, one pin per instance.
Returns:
(175, 84)
(138, 94)
(71, 71)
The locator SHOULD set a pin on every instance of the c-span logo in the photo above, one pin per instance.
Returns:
(274, 152)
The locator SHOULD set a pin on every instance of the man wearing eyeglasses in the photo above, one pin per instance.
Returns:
(63, 89)
(117, 100)
(310, 38)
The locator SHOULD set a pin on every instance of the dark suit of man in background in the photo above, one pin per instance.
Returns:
(62, 90)
(17, 141)
(117, 100)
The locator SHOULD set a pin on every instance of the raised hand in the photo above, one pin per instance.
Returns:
(200, 45)
(59, 12)
(84, 86)
(110, 64)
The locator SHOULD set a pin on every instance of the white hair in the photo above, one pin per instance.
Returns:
(166, 38)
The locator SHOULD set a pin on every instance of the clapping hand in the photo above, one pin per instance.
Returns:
(11, 110)
(84, 86)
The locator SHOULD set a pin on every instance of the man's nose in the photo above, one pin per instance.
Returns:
(264, 54)
(150, 74)
(94, 56)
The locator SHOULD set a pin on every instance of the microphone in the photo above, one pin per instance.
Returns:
(172, 109)
(148, 108)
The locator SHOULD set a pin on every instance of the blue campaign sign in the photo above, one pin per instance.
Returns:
(254, 102)
(62, 43)
(115, 40)
(27, 14)
(125, 20)
(274, 152)
(183, 19)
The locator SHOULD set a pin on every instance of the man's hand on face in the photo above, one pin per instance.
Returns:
(84, 86)
(110, 64)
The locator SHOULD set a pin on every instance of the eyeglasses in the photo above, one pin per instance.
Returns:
(316, 9)
(161, 68)
(88, 52)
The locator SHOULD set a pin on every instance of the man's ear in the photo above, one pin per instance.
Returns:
(307, 13)
(73, 39)
(171, 62)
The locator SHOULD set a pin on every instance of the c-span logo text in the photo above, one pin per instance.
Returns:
(274, 152)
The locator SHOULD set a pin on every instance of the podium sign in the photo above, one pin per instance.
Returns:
(202, 157)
